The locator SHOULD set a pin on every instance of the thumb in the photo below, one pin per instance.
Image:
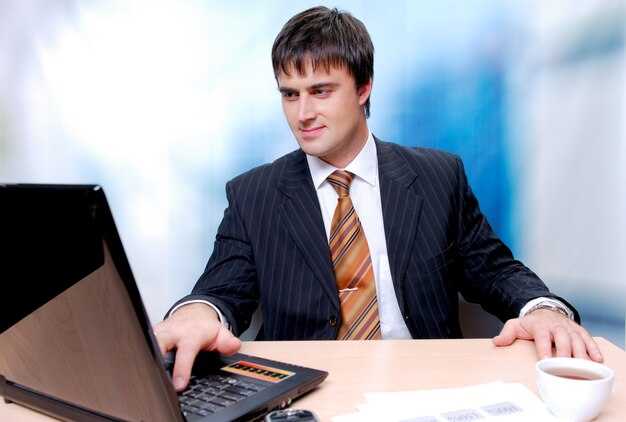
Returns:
(226, 343)
(506, 337)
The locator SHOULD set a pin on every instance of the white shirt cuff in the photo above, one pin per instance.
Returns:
(220, 315)
(550, 301)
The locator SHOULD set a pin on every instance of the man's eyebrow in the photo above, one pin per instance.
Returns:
(287, 90)
(323, 85)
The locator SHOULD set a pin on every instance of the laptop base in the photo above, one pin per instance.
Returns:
(50, 406)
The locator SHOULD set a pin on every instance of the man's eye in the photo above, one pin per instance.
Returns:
(321, 92)
(289, 95)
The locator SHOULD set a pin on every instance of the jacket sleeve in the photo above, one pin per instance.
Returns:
(489, 273)
(229, 278)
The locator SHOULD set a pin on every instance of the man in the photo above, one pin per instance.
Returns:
(426, 239)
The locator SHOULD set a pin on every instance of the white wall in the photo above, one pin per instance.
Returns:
(572, 137)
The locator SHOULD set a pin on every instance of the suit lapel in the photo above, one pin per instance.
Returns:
(401, 211)
(302, 216)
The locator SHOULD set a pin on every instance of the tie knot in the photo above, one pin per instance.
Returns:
(340, 181)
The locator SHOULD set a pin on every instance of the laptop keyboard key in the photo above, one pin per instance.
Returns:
(215, 392)
(231, 396)
(222, 401)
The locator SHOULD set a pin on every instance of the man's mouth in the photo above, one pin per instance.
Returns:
(311, 132)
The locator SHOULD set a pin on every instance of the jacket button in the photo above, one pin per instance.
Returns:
(333, 320)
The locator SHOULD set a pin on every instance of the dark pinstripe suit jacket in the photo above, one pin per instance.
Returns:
(271, 247)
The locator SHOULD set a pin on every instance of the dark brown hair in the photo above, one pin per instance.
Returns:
(327, 38)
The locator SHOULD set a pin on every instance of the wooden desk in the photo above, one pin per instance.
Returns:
(371, 366)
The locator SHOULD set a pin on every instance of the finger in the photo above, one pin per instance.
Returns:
(593, 350)
(543, 341)
(226, 343)
(185, 357)
(507, 335)
(165, 340)
(563, 341)
(579, 349)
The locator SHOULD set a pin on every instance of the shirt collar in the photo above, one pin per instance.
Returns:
(364, 165)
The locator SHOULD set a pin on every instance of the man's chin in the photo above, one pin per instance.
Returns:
(309, 148)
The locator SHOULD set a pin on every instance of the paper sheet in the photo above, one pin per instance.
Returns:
(497, 401)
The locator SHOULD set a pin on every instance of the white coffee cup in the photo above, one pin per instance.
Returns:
(574, 389)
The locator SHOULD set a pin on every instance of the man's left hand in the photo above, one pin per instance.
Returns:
(548, 328)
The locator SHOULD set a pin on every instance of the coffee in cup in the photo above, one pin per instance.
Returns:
(574, 389)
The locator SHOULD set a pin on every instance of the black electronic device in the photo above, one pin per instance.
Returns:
(291, 415)
(75, 340)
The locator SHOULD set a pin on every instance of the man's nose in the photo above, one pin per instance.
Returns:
(306, 109)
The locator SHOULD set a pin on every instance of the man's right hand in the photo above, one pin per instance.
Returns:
(190, 329)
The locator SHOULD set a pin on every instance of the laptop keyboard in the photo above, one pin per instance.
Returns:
(213, 393)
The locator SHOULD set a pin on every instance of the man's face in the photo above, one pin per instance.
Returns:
(325, 113)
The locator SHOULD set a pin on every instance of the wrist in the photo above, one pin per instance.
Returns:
(546, 306)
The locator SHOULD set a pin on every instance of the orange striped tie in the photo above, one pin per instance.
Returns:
(353, 266)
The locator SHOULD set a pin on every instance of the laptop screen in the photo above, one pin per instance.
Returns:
(49, 242)
(68, 312)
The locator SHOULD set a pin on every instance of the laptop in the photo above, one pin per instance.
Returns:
(75, 339)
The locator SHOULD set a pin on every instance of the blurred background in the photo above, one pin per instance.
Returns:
(161, 102)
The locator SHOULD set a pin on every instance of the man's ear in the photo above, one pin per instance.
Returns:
(364, 92)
